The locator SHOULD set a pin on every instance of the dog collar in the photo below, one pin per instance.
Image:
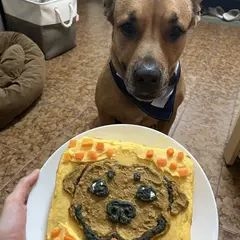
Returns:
(160, 108)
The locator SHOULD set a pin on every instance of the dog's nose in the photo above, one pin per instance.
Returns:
(120, 211)
(147, 74)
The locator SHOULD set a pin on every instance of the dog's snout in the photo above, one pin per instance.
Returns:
(120, 211)
(147, 74)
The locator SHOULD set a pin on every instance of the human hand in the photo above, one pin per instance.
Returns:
(13, 218)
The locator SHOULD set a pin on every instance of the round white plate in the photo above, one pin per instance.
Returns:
(205, 216)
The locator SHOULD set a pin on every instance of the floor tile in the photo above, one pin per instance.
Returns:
(209, 65)
(200, 137)
(39, 127)
(210, 106)
(11, 185)
(11, 162)
(74, 94)
(87, 120)
(229, 199)
(205, 144)
(180, 112)
(225, 235)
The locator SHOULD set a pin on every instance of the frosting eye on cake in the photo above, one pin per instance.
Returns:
(121, 190)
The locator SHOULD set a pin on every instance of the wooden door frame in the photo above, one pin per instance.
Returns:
(232, 149)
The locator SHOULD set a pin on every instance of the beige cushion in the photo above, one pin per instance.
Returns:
(22, 73)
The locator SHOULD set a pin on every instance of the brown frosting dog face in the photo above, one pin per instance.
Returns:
(114, 201)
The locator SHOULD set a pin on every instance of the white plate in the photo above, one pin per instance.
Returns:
(205, 216)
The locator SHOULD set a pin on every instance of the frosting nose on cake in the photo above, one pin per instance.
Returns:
(120, 211)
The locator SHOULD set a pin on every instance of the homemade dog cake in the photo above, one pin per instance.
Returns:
(111, 190)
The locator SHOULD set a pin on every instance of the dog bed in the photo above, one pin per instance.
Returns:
(22, 73)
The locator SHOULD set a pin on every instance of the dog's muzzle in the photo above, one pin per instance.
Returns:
(120, 211)
(146, 78)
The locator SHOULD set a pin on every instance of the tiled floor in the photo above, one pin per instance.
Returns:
(211, 64)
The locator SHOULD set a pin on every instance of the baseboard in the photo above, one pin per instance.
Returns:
(225, 4)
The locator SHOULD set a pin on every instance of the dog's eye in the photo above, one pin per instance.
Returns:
(129, 29)
(99, 188)
(146, 193)
(137, 176)
(111, 174)
(175, 33)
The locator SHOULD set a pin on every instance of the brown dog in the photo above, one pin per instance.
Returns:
(142, 82)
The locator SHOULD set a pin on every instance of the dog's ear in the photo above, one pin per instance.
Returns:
(71, 180)
(196, 12)
(109, 9)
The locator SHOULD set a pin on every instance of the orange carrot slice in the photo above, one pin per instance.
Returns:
(72, 143)
(92, 155)
(170, 152)
(149, 154)
(69, 237)
(87, 143)
(180, 156)
(161, 162)
(183, 172)
(109, 153)
(79, 155)
(100, 146)
(67, 157)
(173, 166)
(55, 232)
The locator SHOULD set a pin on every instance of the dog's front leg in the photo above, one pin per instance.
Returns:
(105, 119)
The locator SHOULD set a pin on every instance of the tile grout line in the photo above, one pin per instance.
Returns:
(178, 122)
(235, 104)
(12, 179)
(187, 104)
(230, 231)
(180, 117)
(228, 134)
(219, 179)
(8, 146)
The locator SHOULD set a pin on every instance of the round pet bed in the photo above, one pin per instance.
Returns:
(22, 73)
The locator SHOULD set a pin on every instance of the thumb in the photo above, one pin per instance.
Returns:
(24, 187)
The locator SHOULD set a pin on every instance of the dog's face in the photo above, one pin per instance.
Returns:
(148, 38)
(113, 201)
